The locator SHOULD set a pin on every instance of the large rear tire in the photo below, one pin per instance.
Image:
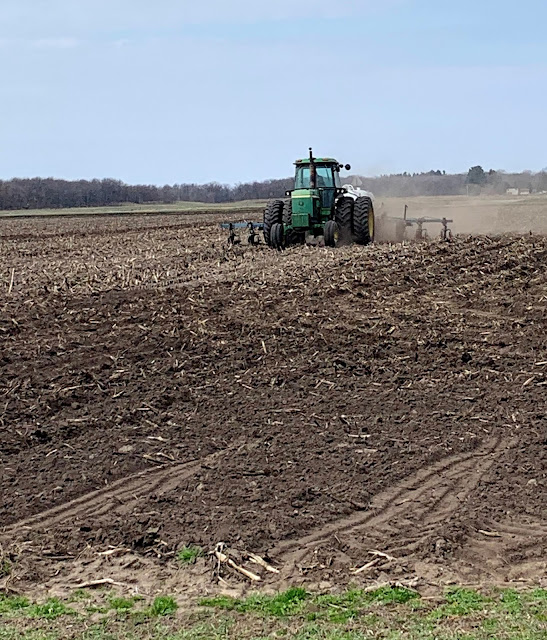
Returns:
(287, 212)
(272, 215)
(363, 221)
(291, 236)
(343, 216)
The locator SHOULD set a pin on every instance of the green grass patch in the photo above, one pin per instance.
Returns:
(80, 595)
(350, 605)
(461, 602)
(13, 633)
(288, 603)
(387, 595)
(188, 555)
(389, 613)
(13, 604)
(162, 606)
(206, 631)
(20, 606)
(50, 610)
(336, 608)
(121, 604)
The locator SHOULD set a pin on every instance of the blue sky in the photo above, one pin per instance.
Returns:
(172, 91)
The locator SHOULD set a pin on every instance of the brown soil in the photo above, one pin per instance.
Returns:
(158, 389)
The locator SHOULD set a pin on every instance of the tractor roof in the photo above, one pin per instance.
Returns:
(317, 161)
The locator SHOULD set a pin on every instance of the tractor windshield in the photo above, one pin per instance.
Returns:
(325, 177)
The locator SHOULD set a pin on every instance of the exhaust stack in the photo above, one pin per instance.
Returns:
(313, 171)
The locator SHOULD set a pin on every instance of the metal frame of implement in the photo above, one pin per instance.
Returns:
(253, 228)
(235, 227)
(421, 233)
(446, 233)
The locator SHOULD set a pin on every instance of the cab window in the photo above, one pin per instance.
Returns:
(325, 178)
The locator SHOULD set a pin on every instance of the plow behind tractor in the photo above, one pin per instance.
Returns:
(420, 224)
(250, 230)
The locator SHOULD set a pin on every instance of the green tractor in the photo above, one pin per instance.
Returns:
(320, 206)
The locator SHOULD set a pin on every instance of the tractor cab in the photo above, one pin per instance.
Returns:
(328, 174)
(327, 178)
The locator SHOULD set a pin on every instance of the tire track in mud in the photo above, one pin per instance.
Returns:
(118, 498)
(409, 510)
(505, 551)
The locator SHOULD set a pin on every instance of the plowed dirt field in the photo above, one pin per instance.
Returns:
(158, 389)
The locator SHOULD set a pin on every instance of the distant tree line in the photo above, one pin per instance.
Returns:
(439, 183)
(49, 193)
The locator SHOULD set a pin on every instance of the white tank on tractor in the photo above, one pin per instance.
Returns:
(356, 192)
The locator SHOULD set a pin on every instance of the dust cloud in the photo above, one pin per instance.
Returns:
(484, 215)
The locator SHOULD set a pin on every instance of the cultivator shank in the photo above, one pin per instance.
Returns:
(422, 234)
(419, 223)
(236, 228)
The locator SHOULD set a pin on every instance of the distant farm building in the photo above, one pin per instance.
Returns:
(518, 192)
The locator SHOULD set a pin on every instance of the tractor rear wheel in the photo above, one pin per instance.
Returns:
(277, 236)
(287, 212)
(331, 233)
(363, 220)
(291, 236)
(272, 215)
(343, 216)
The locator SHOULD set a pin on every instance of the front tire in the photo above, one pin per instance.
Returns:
(272, 215)
(363, 221)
